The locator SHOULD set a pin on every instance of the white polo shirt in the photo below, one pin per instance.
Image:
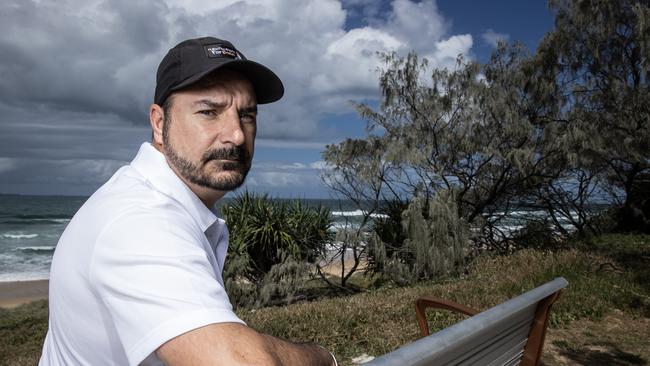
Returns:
(139, 264)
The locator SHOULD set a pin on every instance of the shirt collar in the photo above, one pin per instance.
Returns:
(152, 164)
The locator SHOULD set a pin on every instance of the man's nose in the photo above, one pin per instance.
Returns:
(232, 131)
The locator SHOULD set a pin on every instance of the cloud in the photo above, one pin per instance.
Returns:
(286, 177)
(100, 57)
(7, 164)
(68, 135)
(64, 172)
(493, 38)
(447, 51)
(77, 76)
(69, 55)
(283, 144)
(278, 179)
(320, 165)
(355, 54)
(418, 24)
(293, 166)
(71, 177)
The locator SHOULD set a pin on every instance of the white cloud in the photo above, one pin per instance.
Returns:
(268, 166)
(447, 51)
(320, 165)
(419, 24)
(292, 166)
(355, 57)
(286, 175)
(492, 38)
(279, 179)
(283, 166)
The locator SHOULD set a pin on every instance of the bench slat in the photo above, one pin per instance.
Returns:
(487, 346)
(502, 347)
(512, 356)
(515, 360)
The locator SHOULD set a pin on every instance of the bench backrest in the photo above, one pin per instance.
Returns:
(511, 333)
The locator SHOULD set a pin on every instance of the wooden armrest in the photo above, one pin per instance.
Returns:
(533, 350)
(424, 302)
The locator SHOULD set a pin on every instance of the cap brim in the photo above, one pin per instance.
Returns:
(267, 85)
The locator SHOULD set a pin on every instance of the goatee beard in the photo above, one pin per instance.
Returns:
(237, 167)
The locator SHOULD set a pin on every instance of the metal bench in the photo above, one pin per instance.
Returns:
(511, 333)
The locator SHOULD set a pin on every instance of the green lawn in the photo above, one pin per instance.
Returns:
(609, 282)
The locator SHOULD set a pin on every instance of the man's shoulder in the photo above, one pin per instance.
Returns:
(128, 192)
(129, 204)
(147, 213)
(158, 227)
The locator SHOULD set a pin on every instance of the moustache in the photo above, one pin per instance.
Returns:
(236, 153)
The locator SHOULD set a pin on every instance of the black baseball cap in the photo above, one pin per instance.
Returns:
(194, 59)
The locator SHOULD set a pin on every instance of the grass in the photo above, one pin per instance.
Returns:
(22, 332)
(379, 321)
(608, 285)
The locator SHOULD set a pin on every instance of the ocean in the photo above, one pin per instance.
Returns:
(30, 227)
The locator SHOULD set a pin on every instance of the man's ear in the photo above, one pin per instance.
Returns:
(157, 120)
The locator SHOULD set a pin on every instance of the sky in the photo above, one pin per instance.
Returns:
(77, 76)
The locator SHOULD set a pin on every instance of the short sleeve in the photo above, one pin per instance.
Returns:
(152, 272)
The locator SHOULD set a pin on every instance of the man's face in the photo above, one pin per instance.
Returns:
(209, 132)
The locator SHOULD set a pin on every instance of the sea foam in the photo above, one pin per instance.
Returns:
(19, 236)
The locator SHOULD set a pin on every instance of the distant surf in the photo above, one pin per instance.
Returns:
(357, 213)
(19, 236)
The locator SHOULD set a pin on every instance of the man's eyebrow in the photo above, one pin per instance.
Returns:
(210, 103)
(221, 105)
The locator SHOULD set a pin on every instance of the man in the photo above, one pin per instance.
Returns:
(136, 276)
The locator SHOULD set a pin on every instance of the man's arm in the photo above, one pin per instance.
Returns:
(237, 344)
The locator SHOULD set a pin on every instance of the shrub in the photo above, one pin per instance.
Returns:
(267, 235)
(388, 228)
(435, 241)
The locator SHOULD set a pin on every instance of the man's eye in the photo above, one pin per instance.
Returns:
(207, 112)
(248, 117)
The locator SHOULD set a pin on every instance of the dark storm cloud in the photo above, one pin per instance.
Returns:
(71, 143)
(38, 132)
(78, 177)
(79, 56)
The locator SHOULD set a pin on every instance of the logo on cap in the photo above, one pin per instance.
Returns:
(221, 51)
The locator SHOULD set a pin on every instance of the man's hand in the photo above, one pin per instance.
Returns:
(237, 344)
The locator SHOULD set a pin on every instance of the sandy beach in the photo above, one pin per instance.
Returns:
(16, 293)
